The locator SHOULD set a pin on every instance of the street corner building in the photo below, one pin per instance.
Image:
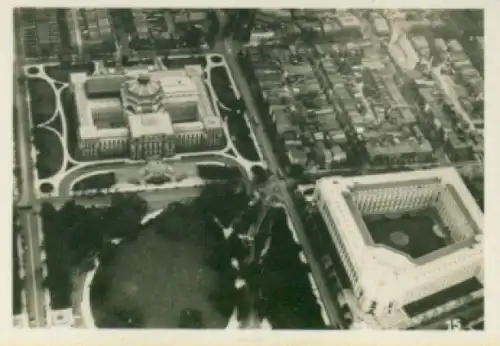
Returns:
(410, 243)
(144, 113)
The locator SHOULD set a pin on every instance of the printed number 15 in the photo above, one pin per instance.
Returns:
(454, 324)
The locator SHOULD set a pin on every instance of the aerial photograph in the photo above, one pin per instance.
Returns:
(303, 169)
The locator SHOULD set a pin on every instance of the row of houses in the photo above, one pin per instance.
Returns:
(41, 33)
(371, 107)
(438, 123)
(91, 30)
(301, 117)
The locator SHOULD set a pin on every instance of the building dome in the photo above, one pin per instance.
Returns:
(142, 95)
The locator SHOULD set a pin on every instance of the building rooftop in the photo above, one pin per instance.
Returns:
(380, 263)
(143, 92)
(150, 124)
(349, 21)
(104, 84)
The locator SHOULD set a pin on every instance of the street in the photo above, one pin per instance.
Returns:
(228, 50)
(30, 222)
(156, 199)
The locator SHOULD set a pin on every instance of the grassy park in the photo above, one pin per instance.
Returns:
(161, 274)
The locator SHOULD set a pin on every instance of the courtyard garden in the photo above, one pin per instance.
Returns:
(414, 234)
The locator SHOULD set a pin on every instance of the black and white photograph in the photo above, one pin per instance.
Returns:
(248, 168)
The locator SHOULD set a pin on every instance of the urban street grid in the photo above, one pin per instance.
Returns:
(248, 168)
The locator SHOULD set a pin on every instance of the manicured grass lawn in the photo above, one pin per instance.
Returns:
(43, 100)
(50, 157)
(241, 137)
(160, 275)
(178, 63)
(98, 181)
(222, 85)
(69, 107)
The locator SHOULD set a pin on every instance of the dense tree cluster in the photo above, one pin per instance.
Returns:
(124, 318)
(287, 299)
(75, 234)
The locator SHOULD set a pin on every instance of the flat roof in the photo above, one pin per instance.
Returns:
(179, 86)
(442, 297)
(150, 124)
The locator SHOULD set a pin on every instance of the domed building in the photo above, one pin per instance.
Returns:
(150, 127)
(144, 114)
(142, 95)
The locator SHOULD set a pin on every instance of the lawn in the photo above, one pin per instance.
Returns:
(61, 74)
(56, 124)
(417, 229)
(222, 85)
(98, 181)
(179, 63)
(69, 107)
(43, 100)
(240, 132)
(162, 273)
(50, 158)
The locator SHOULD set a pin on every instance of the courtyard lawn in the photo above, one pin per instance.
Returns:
(161, 274)
(411, 234)
(43, 100)
(50, 157)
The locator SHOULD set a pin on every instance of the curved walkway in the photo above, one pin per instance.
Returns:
(63, 189)
(58, 112)
(85, 307)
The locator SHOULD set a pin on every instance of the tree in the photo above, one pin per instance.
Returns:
(191, 318)
(124, 318)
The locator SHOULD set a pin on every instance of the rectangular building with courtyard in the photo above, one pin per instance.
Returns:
(144, 113)
(410, 243)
